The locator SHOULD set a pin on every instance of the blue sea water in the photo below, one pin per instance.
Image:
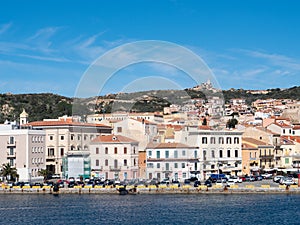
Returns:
(150, 209)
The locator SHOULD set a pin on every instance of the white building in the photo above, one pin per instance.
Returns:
(220, 151)
(114, 157)
(24, 150)
(141, 130)
(171, 160)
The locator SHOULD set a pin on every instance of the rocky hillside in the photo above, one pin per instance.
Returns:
(41, 106)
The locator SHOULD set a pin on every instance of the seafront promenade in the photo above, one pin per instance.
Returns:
(161, 189)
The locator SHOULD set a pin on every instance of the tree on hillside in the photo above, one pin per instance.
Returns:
(9, 173)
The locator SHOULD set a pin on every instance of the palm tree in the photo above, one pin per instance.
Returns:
(8, 172)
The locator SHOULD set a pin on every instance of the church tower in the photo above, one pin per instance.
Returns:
(23, 117)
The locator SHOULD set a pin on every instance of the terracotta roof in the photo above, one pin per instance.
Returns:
(167, 145)
(254, 141)
(113, 139)
(63, 123)
(296, 127)
(202, 127)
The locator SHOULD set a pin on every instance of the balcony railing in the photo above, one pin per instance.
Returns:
(11, 155)
(10, 144)
(266, 156)
(115, 168)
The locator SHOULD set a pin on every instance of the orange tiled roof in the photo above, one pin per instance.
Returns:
(63, 123)
(113, 139)
(254, 141)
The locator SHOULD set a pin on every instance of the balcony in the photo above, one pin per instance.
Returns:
(11, 155)
(115, 168)
(11, 144)
(266, 156)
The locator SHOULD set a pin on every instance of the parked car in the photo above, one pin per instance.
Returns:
(249, 178)
(277, 179)
(236, 179)
(258, 178)
(208, 183)
(193, 179)
(230, 182)
(287, 181)
(197, 183)
(187, 181)
(267, 176)
(176, 182)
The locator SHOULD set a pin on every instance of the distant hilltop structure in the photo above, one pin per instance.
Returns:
(205, 86)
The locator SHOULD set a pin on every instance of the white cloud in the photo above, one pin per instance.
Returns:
(5, 27)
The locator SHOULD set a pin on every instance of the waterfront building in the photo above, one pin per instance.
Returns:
(114, 157)
(175, 161)
(23, 149)
(141, 130)
(220, 151)
(266, 154)
(66, 135)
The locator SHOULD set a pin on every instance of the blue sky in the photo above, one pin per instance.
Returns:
(46, 46)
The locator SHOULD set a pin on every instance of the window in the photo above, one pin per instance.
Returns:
(213, 140)
(150, 165)
(175, 165)
(183, 153)
(134, 150)
(228, 140)
(97, 150)
(167, 166)
(11, 151)
(195, 154)
(175, 154)
(182, 165)
(221, 140)
(116, 163)
(134, 161)
(106, 162)
(183, 175)
(204, 155)
(167, 154)
(150, 153)
(158, 154)
(204, 140)
(50, 151)
(106, 150)
(283, 131)
(158, 165)
(213, 153)
(228, 153)
(62, 137)
(125, 150)
(78, 137)
(236, 140)
(91, 137)
(97, 162)
(119, 129)
(125, 162)
(116, 150)
(85, 137)
(221, 153)
(72, 137)
(11, 140)
(61, 151)
(236, 153)
(51, 138)
(287, 160)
